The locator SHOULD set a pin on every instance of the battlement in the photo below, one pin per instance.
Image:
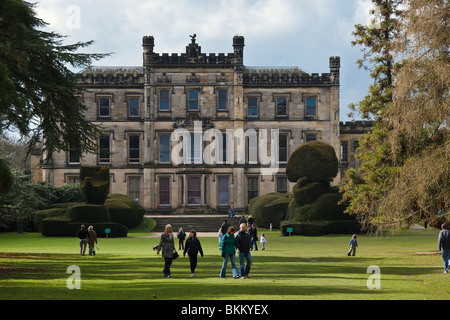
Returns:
(109, 75)
(193, 55)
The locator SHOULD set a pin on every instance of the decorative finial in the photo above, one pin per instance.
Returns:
(193, 37)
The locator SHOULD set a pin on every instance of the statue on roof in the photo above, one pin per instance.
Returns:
(193, 37)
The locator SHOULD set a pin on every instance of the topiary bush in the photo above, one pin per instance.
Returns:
(88, 213)
(274, 213)
(314, 160)
(124, 210)
(94, 183)
(257, 206)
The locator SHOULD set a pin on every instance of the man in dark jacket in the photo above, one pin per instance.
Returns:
(83, 234)
(444, 244)
(242, 242)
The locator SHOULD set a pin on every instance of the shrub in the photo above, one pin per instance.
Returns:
(94, 183)
(62, 227)
(318, 228)
(314, 160)
(88, 213)
(305, 194)
(261, 201)
(6, 177)
(124, 210)
(69, 193)
(274, 213)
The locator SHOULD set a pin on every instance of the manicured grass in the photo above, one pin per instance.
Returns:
(35, 267)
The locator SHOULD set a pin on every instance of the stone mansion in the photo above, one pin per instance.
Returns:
(161, 119)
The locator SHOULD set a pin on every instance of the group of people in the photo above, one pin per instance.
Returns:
(167, 245)
(229, 240)
(87, 237)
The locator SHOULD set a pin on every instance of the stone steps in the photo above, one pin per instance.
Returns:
(199, 223)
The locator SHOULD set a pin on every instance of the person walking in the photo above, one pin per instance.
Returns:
(92, 240)
(181, 235)
(193, 247)
(444, 244)
(263, 241)
(227, 248)
(352, 244)
(253, 237)
(242, 242)
(83, 234)
(251, 220)
(166, 244)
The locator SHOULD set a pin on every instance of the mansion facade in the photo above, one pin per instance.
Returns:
(158, 120)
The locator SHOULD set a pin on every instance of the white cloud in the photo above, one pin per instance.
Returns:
(304, 33)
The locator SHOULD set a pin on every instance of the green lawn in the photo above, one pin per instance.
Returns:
(35, 267)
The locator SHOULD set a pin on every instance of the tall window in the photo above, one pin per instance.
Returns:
(252, 188)
(194, 190)
(164, 191)
(134, 148)
(164, 102)
(252, 107)
(222, 150)
(311, 106)
(105, 149)
(133, 107)
(73, 156)
(222, 103)
(103, 107)
(252, 148)
(223, 191)
(281, 184)
(193, 104)
(134, 189)
(344, 151)
(196, 145)
(281, 110)
(282, 147)
(164, 148)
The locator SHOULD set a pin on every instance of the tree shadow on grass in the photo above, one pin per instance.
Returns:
(118, 277)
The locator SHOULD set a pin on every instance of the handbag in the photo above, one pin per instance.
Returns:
(175, 254)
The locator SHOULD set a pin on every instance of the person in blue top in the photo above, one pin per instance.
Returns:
(227, 248)
(352, 244)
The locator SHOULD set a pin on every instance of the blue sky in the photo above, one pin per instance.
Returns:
(303, 33)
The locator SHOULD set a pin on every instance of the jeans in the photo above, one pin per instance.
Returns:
(193, 263)
(91, 249)
(233, 265)
(245, 269)
(353, 248)
(167, 264)
(446, 258)
(254, 242)
(83, 244)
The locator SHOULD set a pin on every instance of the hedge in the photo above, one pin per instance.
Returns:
(315, 160)
(62, 227)
(274, 213)
(89, 213)
(124, 210)
(318, 228)
(94, 183)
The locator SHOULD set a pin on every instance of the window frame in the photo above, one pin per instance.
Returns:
(227, 100)
(132, 160)
(286, 100)
(100, 149)
(160, 191)
(197, 100)
(160, 100)
(256, 116)
(316, 99)
(100, 107)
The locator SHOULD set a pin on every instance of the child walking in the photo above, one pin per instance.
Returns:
(193, 247)
(263, 241)
(352, 244)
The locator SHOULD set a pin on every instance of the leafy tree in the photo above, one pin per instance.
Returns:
(405, 160)
(39, 95)
(364, 188)
(420, 116)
